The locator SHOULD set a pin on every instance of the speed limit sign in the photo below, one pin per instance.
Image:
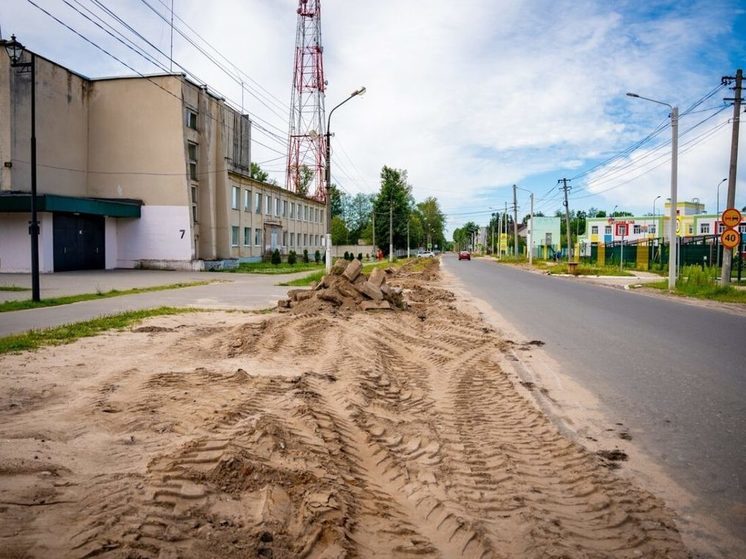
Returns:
(730, 238)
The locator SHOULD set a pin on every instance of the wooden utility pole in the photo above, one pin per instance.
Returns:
(731, 200)
(515, 222)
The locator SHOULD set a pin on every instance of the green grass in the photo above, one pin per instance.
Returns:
(13, 288)
(71, 332)
(8, 306)
(702, 284)
(269, 268)
(561, 267)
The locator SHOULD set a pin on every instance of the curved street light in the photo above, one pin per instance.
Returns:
(15, 51)
(328, 258)
(673, 240)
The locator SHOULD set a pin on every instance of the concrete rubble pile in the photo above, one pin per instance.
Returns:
(348, 287)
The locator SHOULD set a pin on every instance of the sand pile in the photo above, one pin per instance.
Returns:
(347, 287)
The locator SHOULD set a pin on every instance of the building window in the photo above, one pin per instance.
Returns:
(742, 228)
(258, 202)
(268, 205)
(607, 230)
(277, 207)
(292, 210)
(284, 208)
(305, 239)
(636, 229)
(317, 240)
(704, 228)
(594, 230)
(194, 213)
(235, 194)
(691, 229)
(651, 229)
(284, 238)
(234, 235)
(247, 236)
(192, 151)
(305, 213)
(721, 227)
(191, 119)
(292, 239)
(247, 200)
(257, 237)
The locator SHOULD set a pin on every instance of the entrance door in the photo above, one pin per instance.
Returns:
(78, 242)
(274, 238)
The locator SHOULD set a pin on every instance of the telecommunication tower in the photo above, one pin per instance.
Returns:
(307, 141)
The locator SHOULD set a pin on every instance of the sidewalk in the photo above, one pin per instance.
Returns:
(231, 291)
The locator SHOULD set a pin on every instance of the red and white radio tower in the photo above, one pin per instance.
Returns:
(307, 142)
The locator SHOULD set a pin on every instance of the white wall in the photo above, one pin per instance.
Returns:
(157, 235)
(110, 242)
(15, 243)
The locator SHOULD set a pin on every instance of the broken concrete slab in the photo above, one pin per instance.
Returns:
(377, 277)
(353, 270)
(375, 305)
(370, 291)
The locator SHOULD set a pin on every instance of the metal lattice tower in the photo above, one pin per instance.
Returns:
(307, 141)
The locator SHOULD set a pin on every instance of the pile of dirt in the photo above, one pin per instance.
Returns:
(348, 288)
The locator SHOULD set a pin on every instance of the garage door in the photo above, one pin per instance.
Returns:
(78, 242)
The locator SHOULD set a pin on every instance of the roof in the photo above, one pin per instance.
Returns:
(21, 202)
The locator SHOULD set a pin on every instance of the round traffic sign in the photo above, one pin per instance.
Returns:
(730, 238)
(731, 217)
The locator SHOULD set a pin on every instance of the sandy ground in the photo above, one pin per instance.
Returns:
(314, 433)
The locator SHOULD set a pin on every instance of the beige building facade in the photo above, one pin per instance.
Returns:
(137, 172)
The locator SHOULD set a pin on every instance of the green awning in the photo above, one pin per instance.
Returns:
(21, 202)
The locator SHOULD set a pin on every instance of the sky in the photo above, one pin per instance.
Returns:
(469, 97)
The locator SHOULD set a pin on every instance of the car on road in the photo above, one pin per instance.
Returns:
(464, 255)
(426, 254)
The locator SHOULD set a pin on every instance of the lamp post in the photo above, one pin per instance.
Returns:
(328, 258)
(717, 229)
(673, 240)
(654, 201)
(15, 53)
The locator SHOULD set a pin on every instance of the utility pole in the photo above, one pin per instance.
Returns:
(515, 223)
(391, 230)
(492, 225)
(407, 238)
(566, 188)
(531, 234)
(731, 200)
(506, 228)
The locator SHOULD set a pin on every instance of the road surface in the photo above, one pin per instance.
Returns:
(674, 373)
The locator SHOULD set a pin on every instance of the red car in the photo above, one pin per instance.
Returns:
(464, 255)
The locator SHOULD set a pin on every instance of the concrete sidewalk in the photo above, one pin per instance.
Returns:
(231, 291)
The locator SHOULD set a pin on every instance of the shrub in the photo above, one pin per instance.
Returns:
(317, 257)
(347, 255)
(360, 256)
(292, 258)
(276, 259)
(305, 256)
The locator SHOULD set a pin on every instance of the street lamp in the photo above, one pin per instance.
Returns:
(15, 52)
(672, 253)
(329, 179)
(717, 229)
(654, 201)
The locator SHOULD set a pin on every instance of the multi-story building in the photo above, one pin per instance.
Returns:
(136, 172)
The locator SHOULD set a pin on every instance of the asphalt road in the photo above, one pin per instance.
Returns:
(675, 374)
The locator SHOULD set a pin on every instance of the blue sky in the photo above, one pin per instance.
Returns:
(470, 97)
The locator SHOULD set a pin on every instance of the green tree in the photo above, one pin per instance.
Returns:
(256, 173)
(336, 197)
(339, 231)
(357, 212)
(463, 236)
(395, 200)
(433, 222)
(305, 177)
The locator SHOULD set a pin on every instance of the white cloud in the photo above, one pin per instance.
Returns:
(467, 96)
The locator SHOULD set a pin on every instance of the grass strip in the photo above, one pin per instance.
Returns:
(68, 333)
(8, 306)
(13, 288)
